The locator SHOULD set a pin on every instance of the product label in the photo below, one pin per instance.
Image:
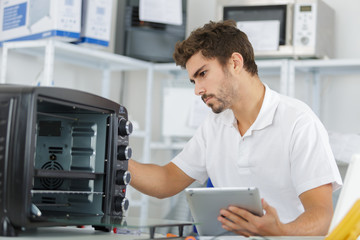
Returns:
(14, 16)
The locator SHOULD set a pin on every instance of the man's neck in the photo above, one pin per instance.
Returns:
(249, 106)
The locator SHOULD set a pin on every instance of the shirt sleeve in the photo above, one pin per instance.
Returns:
(312, 160)
(191, 160)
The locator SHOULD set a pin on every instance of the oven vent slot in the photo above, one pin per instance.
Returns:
(81, 169)
(55, 150)
(83, 159)
(83, 147)
(48, 200)
(83, 132)
(82, 151)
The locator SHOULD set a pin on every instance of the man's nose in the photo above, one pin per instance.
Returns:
(199, 90)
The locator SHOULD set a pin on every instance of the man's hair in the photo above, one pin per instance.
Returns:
(217, 40)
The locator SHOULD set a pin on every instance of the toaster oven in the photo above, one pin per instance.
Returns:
(63, 159)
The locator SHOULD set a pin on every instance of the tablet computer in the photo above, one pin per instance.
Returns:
(205, 205)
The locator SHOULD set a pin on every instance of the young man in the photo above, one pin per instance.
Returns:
(256, 137)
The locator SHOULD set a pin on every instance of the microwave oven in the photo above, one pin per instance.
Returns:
(63, 159)
(305, 27)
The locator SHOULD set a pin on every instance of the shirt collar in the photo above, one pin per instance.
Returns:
(268, 109)
(266, 114)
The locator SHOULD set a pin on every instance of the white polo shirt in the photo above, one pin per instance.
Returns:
(284, 153)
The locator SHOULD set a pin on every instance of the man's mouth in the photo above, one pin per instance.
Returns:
(206, 98)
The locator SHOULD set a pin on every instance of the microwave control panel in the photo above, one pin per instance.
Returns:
(305, 24)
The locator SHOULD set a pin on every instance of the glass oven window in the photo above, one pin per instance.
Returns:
(259, 13)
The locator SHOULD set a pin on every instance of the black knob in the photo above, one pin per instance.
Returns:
(124, 152)
(125, 127)
(122, 177)
(121, 204)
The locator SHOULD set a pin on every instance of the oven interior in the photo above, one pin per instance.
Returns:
(70, 160)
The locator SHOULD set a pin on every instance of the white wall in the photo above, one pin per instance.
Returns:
(347, 33)
(341, 103)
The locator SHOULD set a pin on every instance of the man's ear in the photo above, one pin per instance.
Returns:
(237, 62)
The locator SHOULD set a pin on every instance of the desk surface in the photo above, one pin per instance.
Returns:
(87, 233)
(265, 238)
(128, 228)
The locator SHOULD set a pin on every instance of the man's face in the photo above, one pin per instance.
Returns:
(212, 82)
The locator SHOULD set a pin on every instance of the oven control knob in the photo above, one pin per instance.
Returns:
(121, 204)
(124, 152)
(122, 177)
(125, 127)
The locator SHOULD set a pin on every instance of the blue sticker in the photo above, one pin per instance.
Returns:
(14, 16)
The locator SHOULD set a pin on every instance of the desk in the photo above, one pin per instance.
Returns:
(70, 233)
(88, 233)
(137, 229)
(265, 238)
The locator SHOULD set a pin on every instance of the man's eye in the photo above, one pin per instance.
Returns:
(192, 81)
(202, 73)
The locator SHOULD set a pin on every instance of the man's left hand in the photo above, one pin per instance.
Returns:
(244, 223)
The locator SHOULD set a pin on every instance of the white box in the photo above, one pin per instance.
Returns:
(36, 19)
(96, 23)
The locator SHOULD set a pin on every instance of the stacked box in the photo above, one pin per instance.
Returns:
(37, 19)
(96, 23)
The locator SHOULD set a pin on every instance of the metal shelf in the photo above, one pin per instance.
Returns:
(328, 67)
(78, 55)
(277, 67)
(318, 68)
(52, 50)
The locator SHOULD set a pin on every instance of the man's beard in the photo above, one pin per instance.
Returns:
(221, 106)
(225, 95)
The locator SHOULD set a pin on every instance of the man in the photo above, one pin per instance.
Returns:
(256, 137)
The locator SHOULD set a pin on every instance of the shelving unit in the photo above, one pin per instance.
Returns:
(279, 67)
(319, 68)
(52, 50)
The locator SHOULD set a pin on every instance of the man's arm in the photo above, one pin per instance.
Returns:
(318, 213)
(158, 181)
(315, 220)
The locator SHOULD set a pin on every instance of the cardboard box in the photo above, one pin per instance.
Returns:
(96, 23)
(37, 19)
